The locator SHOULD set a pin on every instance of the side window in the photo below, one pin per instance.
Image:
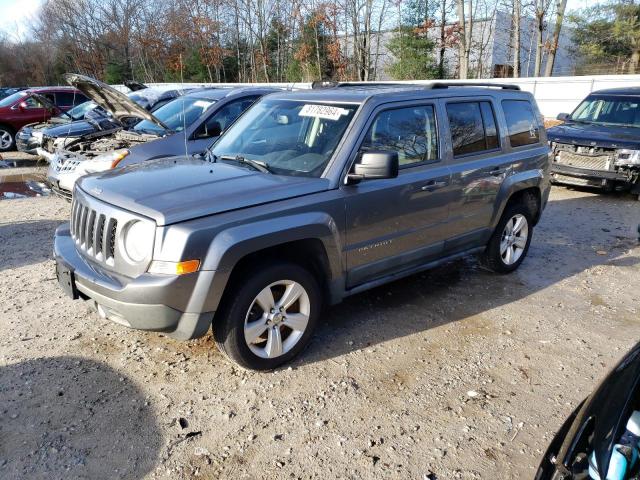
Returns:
(228, 114)
(68, 99)
(34, 103)
(409, 131)
(521, 122)
(473, 127)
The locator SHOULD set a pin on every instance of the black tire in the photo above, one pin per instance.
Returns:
(4, 130)
(492, 257)
(228, 329)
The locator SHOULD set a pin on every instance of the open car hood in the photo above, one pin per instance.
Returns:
(110, 99)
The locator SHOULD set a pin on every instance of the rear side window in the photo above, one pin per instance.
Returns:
(473, 127)
(409, 131)
(521, 122)
(67, 99)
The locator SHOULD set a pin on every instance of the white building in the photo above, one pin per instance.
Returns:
(492, 52)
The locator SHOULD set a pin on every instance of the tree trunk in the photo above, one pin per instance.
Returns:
(516, 38)
(561, 6)
(635, 59)
(443, 30)
(463, 68)
(540, 10)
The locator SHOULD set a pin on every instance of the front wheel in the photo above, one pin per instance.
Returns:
(271, 316)
(510, 241)
(7, 139)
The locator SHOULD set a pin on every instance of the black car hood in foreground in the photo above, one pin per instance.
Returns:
(110, 99)
(605, 136)
(177, 189)
(603, 414)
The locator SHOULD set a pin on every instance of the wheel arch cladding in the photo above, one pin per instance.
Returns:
(308, 238)
(517, 187)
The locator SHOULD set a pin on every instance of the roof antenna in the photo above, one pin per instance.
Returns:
(184, 120)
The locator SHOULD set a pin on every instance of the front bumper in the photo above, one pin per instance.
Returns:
(163, 303)
(582, 176)
(28, 144)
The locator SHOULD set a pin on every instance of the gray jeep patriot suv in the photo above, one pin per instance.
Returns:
(308, 197)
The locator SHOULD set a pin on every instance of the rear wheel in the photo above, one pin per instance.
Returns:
(510, 241)
(271, 316)
(7, 139)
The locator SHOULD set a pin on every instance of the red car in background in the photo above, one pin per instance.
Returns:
(33, 105)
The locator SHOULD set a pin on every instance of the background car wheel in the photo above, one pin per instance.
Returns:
(271, 316)
(7, 139)
(510, 241)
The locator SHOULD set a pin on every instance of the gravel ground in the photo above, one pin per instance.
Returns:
(455, 373)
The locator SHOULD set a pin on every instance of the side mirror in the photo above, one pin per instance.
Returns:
(375, 165)
(213, 130)
(563, 117)
(22, 105)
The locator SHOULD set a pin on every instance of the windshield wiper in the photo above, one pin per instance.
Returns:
(260, 166)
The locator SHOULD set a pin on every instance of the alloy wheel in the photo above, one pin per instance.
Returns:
(514, 239)
(5, 139)
(277, 319)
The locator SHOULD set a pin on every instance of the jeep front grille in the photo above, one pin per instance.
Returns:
(590, 158)
(93, 232)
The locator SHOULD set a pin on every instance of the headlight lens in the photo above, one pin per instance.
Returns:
(628, 157)
(106, 161)
(138, 240)
(37, 135)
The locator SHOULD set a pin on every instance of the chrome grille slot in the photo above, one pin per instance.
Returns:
(111, 238)
(91, 222)
(100, 237)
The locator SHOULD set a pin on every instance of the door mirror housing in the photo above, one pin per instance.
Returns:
(22, 106)
(375, 165)
(563, 117)
(213, 130)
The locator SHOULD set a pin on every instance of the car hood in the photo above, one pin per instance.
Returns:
(605, 136)
(179, 188)
(73, 129)
(110, 99)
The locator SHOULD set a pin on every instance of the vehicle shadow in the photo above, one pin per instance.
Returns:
(69, 417)
(26, 243)
(574, 235)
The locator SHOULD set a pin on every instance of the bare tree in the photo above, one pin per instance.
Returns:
(465, 33)
(561, 6)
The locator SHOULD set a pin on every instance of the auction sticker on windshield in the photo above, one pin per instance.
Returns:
(323, 111)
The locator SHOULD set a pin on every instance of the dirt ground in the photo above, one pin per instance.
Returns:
(455, 373)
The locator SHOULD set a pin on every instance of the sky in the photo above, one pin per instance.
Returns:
(15, 14)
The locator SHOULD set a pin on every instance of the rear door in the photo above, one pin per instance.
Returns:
(478, 168)
(395, 224)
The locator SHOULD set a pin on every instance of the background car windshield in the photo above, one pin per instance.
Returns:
(5, 102)
(291, 137)
(609, 109)
(176, 115)
(78, 112)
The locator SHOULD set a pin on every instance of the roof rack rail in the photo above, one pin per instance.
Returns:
(334, 84)
(504, 86)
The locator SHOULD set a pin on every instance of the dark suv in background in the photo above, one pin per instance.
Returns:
(33, 105)
(307, 198)
(598, 145)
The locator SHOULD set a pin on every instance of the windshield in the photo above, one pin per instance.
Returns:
(11, 99)
(176, 115)
(79, 111)
(607, 109)
(290, 137)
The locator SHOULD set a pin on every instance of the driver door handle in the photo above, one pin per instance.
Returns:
(433, 185)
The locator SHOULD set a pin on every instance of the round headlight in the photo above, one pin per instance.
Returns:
(138, 241)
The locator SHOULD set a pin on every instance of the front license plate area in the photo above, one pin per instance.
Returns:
(66, 280)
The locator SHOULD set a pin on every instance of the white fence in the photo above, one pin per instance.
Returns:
(553, 94)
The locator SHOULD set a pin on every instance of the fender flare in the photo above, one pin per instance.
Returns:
(515, 183)
(233, 244)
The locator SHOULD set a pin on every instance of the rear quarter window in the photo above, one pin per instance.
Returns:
(522, 124)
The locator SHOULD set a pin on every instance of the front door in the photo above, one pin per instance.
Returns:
(395, 224)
